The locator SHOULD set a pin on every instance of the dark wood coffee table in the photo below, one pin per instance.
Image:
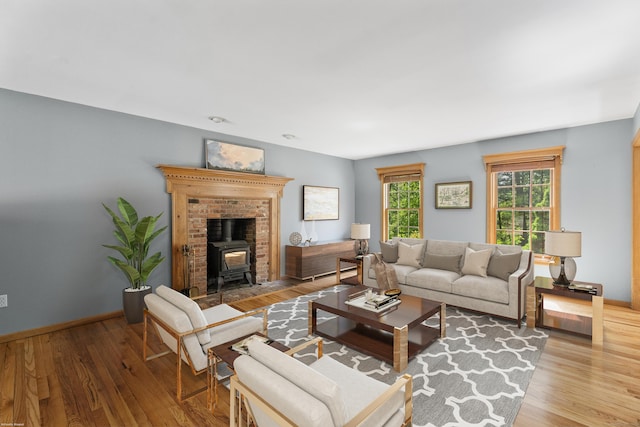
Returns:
(395, 335)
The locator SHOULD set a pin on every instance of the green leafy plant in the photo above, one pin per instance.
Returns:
(135, 237)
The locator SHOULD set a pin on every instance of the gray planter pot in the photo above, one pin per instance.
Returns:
(133, 304)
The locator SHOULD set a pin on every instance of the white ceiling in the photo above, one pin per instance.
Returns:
(350, 78)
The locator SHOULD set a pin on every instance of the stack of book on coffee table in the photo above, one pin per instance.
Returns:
(372, 301)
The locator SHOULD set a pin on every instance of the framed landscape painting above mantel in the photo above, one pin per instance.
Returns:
(233, 157)
(454, 195)
(320, 203)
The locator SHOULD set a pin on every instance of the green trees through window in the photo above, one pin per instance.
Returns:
(403, 209)
(402, 195)
(523, 211)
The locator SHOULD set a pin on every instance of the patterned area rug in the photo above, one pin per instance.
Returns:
(476, 376)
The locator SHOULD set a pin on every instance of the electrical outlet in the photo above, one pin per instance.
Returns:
(3, 301)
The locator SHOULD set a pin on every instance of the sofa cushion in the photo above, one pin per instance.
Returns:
(445, 247)
(429, 278)
(503, 265)
(316, 384)
(482, 288)
(442, 262)
(190, 307)
(402, 271)
(410, 255)
(389, 251)
(476, 262)
(303, 409)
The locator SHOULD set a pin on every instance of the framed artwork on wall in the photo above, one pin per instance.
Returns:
(233, 157)
(454, 195)
(320, 203)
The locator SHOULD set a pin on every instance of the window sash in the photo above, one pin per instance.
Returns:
(546, 158)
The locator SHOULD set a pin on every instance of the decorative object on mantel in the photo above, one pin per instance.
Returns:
(563, 244)
(320, 203)
(295, 238)
(361, 234)
(232, 157)
(135, 236)
(454, 195)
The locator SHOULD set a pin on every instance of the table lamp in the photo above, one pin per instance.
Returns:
(360, 233)
(563, 244)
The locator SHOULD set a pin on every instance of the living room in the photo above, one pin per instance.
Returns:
(61, 160)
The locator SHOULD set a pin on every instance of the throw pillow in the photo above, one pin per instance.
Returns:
(503, 265)
(410, 254)
(389, 251)
(442, 262)
(476, 262)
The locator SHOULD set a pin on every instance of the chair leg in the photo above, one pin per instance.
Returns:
(178, 374)
(232, 405)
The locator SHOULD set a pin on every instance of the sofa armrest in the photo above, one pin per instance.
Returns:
(520, 279)
(525, 271)
(367, 260)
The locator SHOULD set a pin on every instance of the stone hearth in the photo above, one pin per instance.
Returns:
(201, 194)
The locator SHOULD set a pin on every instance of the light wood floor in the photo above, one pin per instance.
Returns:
(94, 375)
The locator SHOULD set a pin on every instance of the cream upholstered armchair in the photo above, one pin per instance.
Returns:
(189, 331)
(271, 388)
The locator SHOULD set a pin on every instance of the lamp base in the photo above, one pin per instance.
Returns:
(361, 247)
(563, 272)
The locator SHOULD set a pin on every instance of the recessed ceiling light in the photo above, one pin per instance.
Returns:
(288, 136)
(217, 119)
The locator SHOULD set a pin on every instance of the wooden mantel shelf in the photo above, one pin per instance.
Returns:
(177, 175)
(187, 183)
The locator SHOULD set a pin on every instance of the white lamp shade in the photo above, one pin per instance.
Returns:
(563, 243)
(360, 231)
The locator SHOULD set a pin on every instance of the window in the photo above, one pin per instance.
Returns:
(401, 195)
(523, 197)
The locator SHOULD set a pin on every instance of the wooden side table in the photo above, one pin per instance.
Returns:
(223, 353)
(355, 280)
(558, 307)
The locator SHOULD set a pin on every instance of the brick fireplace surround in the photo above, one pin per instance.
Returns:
(200, 194)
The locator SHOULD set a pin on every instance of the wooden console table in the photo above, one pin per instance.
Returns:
(557, 307)
(307, 262)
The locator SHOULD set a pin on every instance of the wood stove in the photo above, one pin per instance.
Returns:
(229, 252)
(228, 261)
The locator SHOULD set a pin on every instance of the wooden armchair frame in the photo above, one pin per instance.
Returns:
(180, 348)
(241, 395)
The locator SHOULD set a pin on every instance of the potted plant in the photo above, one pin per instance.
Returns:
(135, 236)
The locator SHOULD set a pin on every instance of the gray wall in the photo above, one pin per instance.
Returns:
(595, 194)
(59, 161)
(636, 120)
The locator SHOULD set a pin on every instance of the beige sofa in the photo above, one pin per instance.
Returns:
(477, 276)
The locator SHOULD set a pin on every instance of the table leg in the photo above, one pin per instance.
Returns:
(597, 329)
(338, 271)
(312, 318)
(443, 320)
(400, 348)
